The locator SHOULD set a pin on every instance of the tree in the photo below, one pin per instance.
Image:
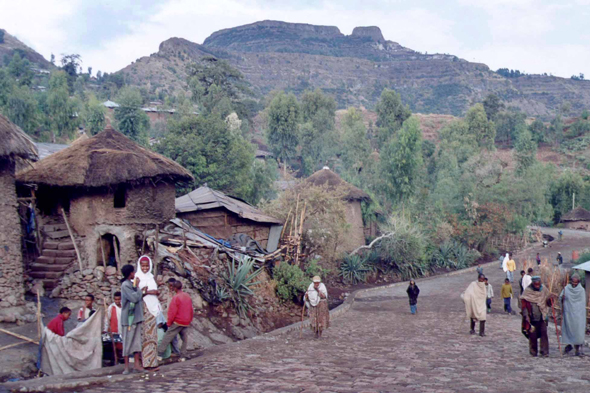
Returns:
(401, 161)
(52, 59)
(6, 86)
(94, 116)
(20, 70)
(89, 71)
(492, 106)
(283, 116)
(131, 120)
(507, 125)
(61, 110)
(563, 190)
(70, 65)
(1, 36)
(538, 131)
(391, 114)
(21, 109)
(479, 125)
(526, 150)
(355, 147)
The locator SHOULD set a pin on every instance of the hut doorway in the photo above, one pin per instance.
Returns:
(108, 252)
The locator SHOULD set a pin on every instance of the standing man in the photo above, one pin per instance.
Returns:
(522, 274)
(180, 316)
(86, 312)
(559, 258)
(573, 299)
(538, 260)
(490, 295)
(413, 291)
(511, 267)
(475, 304)
(507, 293)
(535, 302)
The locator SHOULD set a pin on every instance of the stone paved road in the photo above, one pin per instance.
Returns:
(379, 347)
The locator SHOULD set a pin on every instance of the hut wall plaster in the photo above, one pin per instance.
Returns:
(11, 264)
(583, 225)
(356, 234)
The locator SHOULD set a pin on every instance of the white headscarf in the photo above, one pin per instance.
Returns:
(313, 295)
(505, 262)
(147, 280)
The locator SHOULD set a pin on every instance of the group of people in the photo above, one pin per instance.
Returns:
(135, 320)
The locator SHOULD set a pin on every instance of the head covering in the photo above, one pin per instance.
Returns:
(536, 279)
(575, 275)
(148, 280)
(316, 279)
(505, 262)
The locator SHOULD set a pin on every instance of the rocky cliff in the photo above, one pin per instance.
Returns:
(354, 69)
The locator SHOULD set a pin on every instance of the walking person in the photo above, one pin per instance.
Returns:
(131, 317)
(559, 258)
(522, 274)
(316, 300)
(180, 316)
(506, 293)
(152, 312)
(475, 304)
(413, 291)
(573, 298)
(535, 303)
(538, 260)
(527, 280)
(490, 295)
(510, 268)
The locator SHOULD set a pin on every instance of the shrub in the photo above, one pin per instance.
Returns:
(291, 281)
(455, 255)
(313, 268)
(354, 269)
(239, 279)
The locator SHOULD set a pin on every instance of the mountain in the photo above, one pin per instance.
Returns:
(9, 45)
(354, 69)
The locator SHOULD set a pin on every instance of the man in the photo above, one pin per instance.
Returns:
(180, 316)
(112, 323)
(57, 324)
(506, 293)
(475, 304)
(511, 267)
(559, 258)
(522, 274)
(573, 299)
(490, 295)
(527, 280)
(538, 260)
(535, 303)
(86, 312)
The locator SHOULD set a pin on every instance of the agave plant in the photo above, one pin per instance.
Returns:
(354, 269)
(240, 279)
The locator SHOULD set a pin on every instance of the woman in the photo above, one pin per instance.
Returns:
(316, 299)
(152, 312)
(131, 317)
(413, 292)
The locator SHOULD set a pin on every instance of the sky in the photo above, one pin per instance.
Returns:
(534, 36)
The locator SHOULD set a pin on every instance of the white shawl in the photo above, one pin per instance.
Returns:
(505, 262)
(313, 297)
(147, 280)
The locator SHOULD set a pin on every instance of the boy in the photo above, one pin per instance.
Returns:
(479, 270)
(112, 323)
(86, 312)
(57, 324)
(507, 293)
(490, 295)
(511, 266)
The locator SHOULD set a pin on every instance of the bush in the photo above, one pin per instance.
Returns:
(454, 255)
(291, 281)
(239, 278)
(313, 268)
(354, 269)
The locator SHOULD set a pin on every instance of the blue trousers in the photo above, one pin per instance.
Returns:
(413, 308)
(507, 306)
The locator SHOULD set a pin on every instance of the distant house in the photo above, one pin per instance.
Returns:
(222, 216)
(16, 145)
(111, 105)
(579, 218)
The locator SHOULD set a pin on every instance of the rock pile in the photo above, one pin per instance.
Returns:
(76, 284)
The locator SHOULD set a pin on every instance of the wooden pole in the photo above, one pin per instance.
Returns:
(39, 323)
(37, 231)
(72, 237)
(104, 263)
(13, 345)
(156, 249)
(19, 336)
(557, 332)
(286, 222)
(117, 255)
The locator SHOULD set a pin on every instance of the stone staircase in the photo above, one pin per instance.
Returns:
(56, 256)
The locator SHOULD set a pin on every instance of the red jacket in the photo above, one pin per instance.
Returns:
(57, 325)
(180, 311)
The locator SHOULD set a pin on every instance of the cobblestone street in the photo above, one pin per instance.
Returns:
(379, 346)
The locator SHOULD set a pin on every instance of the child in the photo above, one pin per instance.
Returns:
(57, 324)
(538, 260)
(507, 293)
(479, 270)
(490, 295)
(86, 312)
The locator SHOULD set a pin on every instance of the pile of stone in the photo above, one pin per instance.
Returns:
(100, 282)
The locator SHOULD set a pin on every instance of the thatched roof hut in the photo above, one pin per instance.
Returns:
(326, 177)
(578, 214)
(15, 143)
(107, 158)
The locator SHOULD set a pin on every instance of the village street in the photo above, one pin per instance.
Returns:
(378, 346)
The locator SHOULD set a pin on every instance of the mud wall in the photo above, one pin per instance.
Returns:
(356, 233)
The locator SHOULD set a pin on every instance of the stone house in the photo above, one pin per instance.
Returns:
(109, 189)
(15, 145)
(579, 218)
(222, 216)
(353, 196)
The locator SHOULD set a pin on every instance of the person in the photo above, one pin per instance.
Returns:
(573, 298)
(559, 258)
(413, 291)
(538, 260)
(131, 317)
(86, 312)
(479, 269)
(560, 233)
(180, 316)
(316, 300)
(527, 280)
(490, 295)
(505, 262)
(510, 268)
(535, 302)
(475, 304)
(506, 293)
(522, 274)
(56, 325)
(112, 323)
(152, 312)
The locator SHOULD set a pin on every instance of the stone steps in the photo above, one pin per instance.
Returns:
(57, 234)
(47, 260)
(45, 267)
(59, 253)
(46, 274)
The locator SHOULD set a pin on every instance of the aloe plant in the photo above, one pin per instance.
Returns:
(240, 280)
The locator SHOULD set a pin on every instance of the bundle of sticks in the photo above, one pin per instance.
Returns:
(291, 239)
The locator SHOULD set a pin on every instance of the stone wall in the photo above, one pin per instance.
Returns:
(11, 261)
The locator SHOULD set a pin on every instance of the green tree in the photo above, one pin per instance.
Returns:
(61, 110)
(508, 125)
(261, 186)
(131, 120)
(479, 125)
(6, 86)
(538, 131)
(1, 36)
(492, 106)
(355, 147)
(94, 116)
(555, 131)
(70, 64)
(526, 150)
(22, 109)
(401, 161)
(563, 190)
(391, 114)
(283, 116)
(20, 70)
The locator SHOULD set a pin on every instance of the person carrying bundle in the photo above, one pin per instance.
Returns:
(316, 300)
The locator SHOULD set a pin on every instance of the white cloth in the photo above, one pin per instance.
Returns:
(490, 291)
(313, 297)
(107, 322)
(79, 350)
(475, 301)
(505, 262)
(147, 280)
(526, 281)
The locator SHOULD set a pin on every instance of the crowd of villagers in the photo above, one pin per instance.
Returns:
(136, 321)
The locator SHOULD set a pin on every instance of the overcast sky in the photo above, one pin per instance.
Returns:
(530, 35)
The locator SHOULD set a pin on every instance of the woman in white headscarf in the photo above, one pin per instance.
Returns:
(152, 311)
(316, 299)
(505, 262)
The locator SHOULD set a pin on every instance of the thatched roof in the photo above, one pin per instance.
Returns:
(578, 214)
(333, 181)
(204, 198)
(107, 158)
(15, 143)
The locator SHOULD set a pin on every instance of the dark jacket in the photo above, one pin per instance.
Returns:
(413, 294)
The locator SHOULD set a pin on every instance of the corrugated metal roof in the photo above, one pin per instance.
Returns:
(47, 149)
(204, 198)
(583, 266)
(110, 104)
